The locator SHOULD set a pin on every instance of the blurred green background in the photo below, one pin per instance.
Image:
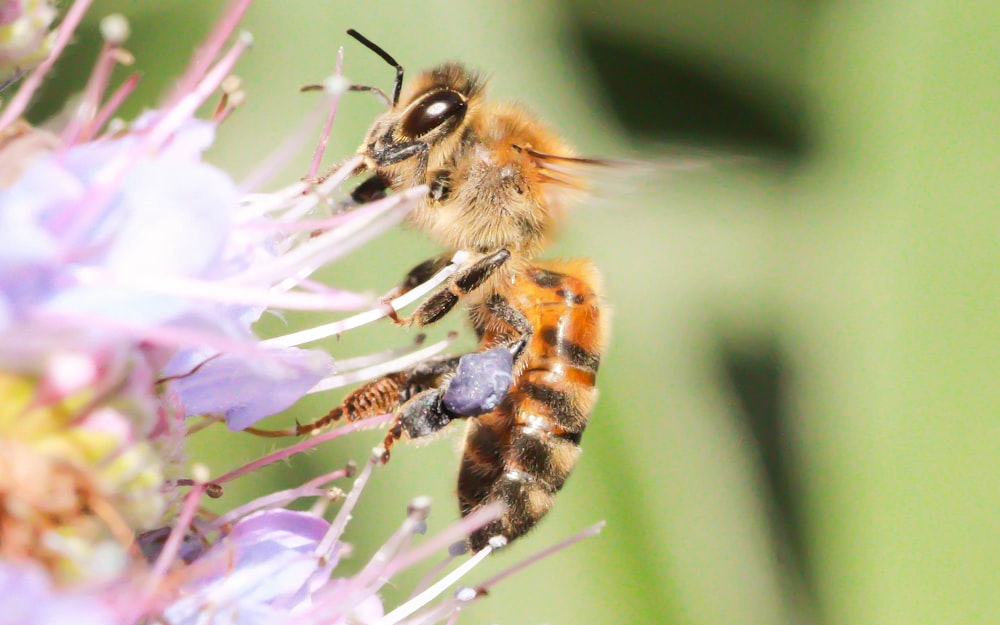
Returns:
(800, 413)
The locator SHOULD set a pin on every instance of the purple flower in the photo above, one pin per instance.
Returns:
(278, 566)
(30, 599)
(259, 573)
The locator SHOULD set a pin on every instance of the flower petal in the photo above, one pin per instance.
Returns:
(247, 389)
(265, 567)
(29, 599)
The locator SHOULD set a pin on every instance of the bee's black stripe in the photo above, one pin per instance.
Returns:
(546, 279)
(561, 408)
(571, 352)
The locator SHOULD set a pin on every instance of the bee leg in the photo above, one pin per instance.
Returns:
(421, 416)
(403, 151)
(501, 308)
(372, 189)
(378, 397)
(418, 275)
(458, 286)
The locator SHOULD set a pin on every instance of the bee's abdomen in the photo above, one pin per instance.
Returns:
(522, 453)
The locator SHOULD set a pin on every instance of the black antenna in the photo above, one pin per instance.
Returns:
(385, 57)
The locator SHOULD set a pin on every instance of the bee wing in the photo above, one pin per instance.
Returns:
(613, 178)
(572, 172)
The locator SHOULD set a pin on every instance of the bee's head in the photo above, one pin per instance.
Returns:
(426, 123)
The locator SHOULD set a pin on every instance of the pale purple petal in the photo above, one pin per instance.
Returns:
(290, 529)
(249, 388)
(170, 216)
(173, 220)
(45, 188)
(29, 599)
(179, 215)
(264, 569)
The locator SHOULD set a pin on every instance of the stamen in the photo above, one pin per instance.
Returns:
(312, 488)
(374, 371)
(115, 30)
(283, 225)
(593, 530)
(112, 104)
(326, 547)
(451, 608)
(358, 362)
(293, 199)
(347, 596)
(219, 291)
(432, 574)
(186, 106)
(373, 576)
(232, 98)
(284, 153)
(459, 530)
(204, 56)
(314, 286)
(422, 599)
(302, 446)
(337, 327)
(467, 594)
(324, 138)
(303, 260)
(167, 336)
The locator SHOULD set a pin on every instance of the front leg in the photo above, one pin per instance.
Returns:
(373, 188)
(418, 275)
(403, 151)
(458, 286)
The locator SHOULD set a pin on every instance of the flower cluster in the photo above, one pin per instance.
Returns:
(131, 274)
(25, 38)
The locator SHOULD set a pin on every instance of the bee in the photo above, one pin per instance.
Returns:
(552, 325)
(499, 184)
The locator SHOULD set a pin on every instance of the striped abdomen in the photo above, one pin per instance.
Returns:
(522, 452)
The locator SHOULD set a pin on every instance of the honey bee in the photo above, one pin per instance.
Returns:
(499, 182)
(550, 321)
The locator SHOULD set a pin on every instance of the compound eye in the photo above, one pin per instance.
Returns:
(432, 111)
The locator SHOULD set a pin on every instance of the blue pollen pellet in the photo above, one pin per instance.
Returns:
(481, 381)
